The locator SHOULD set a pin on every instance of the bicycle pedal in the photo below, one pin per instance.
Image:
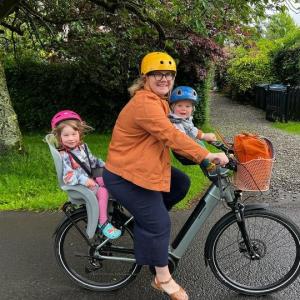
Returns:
(93, 268)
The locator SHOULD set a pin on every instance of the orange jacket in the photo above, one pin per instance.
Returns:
(139, 150)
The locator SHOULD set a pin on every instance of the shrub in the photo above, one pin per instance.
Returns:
(287, 65)
(39, 90)
(265, 61)
(245, 72)
(201, 114)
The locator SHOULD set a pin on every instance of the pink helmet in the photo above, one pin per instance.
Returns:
(64, 115)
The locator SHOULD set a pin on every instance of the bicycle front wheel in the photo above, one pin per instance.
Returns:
(274, 238)
(104, 268)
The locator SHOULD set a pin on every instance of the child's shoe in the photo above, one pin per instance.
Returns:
(109, 230)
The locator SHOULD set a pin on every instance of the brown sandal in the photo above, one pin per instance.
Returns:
(174, 296)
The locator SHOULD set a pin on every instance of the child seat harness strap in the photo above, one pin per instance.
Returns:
(81, 163)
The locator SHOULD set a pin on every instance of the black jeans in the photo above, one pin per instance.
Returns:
(150, 210)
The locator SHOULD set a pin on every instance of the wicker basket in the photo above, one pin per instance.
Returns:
(254, 175)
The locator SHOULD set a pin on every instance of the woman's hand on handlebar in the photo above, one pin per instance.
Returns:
(218, 158)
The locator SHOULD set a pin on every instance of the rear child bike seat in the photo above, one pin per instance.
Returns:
(78, 194)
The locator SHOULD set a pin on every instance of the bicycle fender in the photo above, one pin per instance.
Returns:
(254, 206)
(66, 219)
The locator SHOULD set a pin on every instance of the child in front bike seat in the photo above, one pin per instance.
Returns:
(182, 101)
(68, 128)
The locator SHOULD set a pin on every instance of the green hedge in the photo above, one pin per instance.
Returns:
(287, 65)
(39, 90)
(201, 114)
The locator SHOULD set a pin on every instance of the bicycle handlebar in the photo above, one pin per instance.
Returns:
(232, 164)
(219, 145)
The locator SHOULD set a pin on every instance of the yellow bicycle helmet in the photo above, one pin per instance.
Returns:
(157, 61)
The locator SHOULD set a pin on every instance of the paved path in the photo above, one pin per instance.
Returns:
(231, 118)
(28, 269)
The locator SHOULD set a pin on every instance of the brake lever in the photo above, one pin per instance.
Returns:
(219, 145)
(232, 164)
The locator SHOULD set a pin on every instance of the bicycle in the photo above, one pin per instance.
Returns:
(242, 248)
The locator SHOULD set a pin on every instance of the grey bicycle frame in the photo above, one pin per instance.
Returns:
(81, 195)
(202, 211)
(194, 223)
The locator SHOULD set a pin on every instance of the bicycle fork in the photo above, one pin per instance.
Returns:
(246, 245)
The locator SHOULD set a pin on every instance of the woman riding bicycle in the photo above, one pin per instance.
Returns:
(138, 171)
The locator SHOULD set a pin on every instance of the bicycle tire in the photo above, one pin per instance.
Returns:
(79, 262)
(277, 241)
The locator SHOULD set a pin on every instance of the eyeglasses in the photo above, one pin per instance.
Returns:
(159, 76)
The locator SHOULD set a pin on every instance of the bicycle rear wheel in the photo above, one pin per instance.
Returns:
(82, 263)
(276, 241)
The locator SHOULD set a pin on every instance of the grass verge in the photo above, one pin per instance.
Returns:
(290, 127)
(28, 182)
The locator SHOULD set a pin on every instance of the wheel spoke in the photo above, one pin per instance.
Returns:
(101, 266)
(275, 241)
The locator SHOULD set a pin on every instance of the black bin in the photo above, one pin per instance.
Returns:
(276, 103)
(261, 95)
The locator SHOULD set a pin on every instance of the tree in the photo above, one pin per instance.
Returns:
(193, 31)
(10, 134)
(94, 31)
(7, 7)
(280, 25)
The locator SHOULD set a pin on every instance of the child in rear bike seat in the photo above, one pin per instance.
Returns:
(69, 129)
(182, 101)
